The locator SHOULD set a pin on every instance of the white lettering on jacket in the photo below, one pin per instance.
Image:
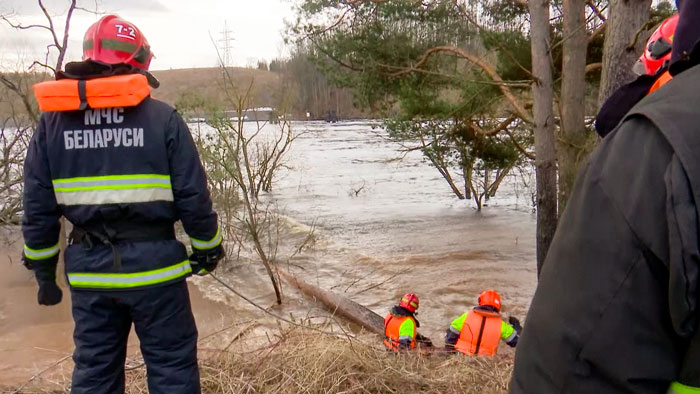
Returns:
(104, 116)
(103, 138)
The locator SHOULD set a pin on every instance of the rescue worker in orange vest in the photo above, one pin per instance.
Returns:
(477, 332)
(400, 325)
(652, 68)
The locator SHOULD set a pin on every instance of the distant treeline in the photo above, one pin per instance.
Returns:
(294, 86)
(311, 92)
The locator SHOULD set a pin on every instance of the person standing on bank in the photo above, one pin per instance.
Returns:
(122, 168)
(616, 308)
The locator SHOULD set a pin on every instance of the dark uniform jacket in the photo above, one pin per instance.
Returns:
(616, 307)
(128, 173)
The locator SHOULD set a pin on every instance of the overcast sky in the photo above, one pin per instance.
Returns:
(178, 30)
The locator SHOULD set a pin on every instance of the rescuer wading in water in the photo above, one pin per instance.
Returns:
(400, 324)
(479, 331)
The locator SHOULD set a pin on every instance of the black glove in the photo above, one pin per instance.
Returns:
(45, 273)
(49, 293)
(205, 261)
(423, 340)
(516, 324)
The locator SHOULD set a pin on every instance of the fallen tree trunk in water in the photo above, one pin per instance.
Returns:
(343, 306)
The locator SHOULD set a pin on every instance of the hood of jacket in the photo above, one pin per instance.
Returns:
(686, 53)
(398, 311)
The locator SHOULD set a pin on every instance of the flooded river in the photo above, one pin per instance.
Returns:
(387, 224)
(382, 227)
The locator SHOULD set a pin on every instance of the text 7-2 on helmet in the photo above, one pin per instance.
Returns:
(490, 298)
(410, 302)
(113, 40)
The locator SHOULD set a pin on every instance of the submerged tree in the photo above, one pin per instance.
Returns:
(381, 49)
(242, 160)
(425, 68)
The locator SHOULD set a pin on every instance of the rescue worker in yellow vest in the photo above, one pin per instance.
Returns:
(400, 325)
(478, 332)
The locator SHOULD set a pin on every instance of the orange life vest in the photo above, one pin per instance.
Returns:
(663, 80)
(480, 333)
(392, 325)
(107, 92)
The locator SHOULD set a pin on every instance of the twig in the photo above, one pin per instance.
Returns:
(137, 366)
(50, 367)
(276, 316)
(519, 147)
(378, 284)
(241, 333)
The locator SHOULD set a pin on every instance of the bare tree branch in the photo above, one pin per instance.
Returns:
(593, 66)
(596, 11)
(505, 90)
(51, 27)
(501, 127)
(62, 50)
(21, 26)
(597, 32)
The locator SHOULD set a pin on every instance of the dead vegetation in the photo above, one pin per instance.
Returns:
(207, 83)
(305, 361)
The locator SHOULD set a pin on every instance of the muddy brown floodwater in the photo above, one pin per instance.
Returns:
(382, 227)
(34, 338)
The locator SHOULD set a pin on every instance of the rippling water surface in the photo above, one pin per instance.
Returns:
(383, 227)
(388, 224)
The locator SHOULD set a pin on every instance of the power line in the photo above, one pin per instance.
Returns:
(227, 45)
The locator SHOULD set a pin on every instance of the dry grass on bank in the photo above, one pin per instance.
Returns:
(309, 362)
(304, 361)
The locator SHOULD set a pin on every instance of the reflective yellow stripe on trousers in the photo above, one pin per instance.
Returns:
(126, 281)
(113, 189)
(679, 388)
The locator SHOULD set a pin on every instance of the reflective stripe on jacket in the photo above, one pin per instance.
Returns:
(678, 388)
(480, 331)
(398, 329)
(113, 189)
(133, 166)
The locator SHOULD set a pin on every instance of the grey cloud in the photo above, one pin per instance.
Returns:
(142, 6)
(58, 7)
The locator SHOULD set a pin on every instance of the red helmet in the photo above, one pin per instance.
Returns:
(113, 40)
(490, 298)
(409, 301)
(658, 48)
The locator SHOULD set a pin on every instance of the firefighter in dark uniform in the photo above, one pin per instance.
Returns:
(122, 168)
(617, 306)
